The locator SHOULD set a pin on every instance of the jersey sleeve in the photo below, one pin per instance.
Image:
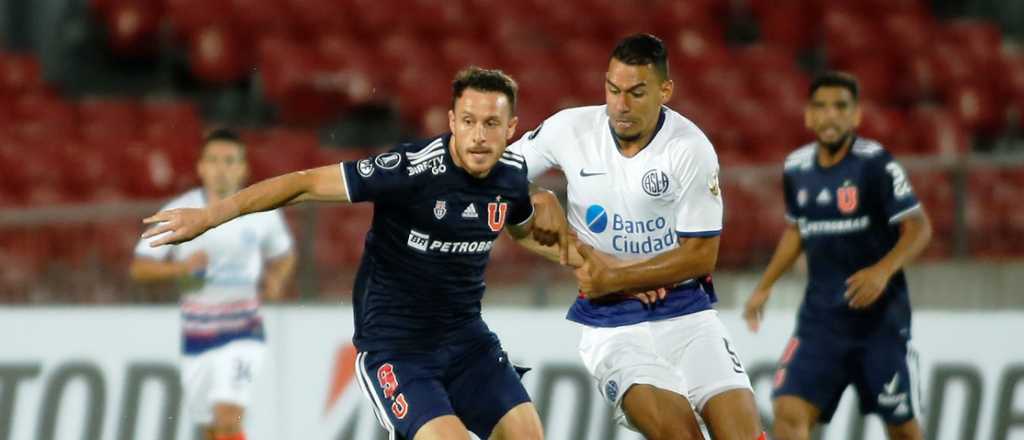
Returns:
(789, 197)
(699, 204)
(277, 240)
(893, 189)
(521, 210)
(537, 147)
(377, 178)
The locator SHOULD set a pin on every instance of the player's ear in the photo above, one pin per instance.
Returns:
(857, 114)
(512, 124)
(667, 88)
(451, 120)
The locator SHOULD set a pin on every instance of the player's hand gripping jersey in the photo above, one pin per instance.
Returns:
(422, 274)
(632, 207)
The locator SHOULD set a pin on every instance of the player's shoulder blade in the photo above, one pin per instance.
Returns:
(801, 159)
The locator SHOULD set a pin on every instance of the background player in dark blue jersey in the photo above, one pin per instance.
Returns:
(852, 211)
(427, 361)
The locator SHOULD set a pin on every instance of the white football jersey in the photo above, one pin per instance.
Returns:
(236, 251)
(630, 207)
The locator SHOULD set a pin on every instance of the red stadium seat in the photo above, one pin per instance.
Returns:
(938, 131)
(788, 24)
(133, 26)
(977, 108)
(908, 33)
(461, 52)
(268, 17)
(45, 117)
(108, 120)
(436, 19)
(189, 16)
(848, 35)
(20, 74)
(216, 54)
(887, 125)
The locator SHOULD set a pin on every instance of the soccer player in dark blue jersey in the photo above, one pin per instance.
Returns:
(852, 211)
(427, 362)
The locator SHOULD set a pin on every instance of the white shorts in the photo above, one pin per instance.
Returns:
(690, 355)
(224, 374)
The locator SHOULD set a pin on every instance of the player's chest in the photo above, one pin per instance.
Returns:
(603, 176)
(840, 194)
(472, 213)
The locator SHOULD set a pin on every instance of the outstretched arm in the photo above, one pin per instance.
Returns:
(547, 233)
(317, 184)
(786, 253)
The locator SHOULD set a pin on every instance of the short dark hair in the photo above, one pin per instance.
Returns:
(836, 79)
(224, 134)
(485, 80)
(641, 50)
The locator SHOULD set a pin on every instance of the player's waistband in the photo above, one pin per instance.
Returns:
(680, 287)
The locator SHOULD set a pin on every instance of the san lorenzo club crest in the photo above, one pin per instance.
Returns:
(440, 209)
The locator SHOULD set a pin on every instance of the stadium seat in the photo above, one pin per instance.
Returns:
(20, 74)
(216, 54)
(133, 26)
(268, 17)
(45, 117)
(187, 17)
(109, 120)
(788, 24)
(938, 131)
(888, 126)
(977, 108)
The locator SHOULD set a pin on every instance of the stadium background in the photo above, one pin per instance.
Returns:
(103, 104)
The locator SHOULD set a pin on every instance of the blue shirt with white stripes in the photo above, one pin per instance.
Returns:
(421, 278)
(848, 216)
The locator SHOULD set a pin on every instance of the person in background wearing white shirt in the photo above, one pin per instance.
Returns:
(644, 201)
(223, 275)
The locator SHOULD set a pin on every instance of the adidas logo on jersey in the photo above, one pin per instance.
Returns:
(470, 212)
(824, 197)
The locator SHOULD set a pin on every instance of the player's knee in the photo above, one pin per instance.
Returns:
(790, 428)
(907, 431)
(227, 418)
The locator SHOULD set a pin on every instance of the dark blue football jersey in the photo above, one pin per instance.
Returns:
(421, 278)
(848, 216)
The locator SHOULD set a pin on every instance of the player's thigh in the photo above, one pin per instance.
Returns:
(815, 370)
(196, 382)
(404, 391)
(228, 417)
(659, 413)
(485, 387)
(700, 346)
(522, 422)
(442, 428)
(733, 415)
(887, 380)
(621, 358)
(235, 368)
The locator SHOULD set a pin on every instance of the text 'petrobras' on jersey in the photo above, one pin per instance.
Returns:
(420, 241)
(632, 236)
(832, 227)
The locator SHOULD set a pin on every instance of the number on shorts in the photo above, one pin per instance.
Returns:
(387, 379)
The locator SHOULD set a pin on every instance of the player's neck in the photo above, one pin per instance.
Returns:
(827, 158)
(632, 148)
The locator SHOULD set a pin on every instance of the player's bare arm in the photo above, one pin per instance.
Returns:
(317, 184)
(547, 234)
(145, 269)
(276, 275)
(865, 286)
(786, 253)
(692, 258)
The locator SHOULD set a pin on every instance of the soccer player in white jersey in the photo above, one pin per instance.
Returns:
(223, 274)
(644, 200)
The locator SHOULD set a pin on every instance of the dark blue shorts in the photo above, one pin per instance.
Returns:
(883, 370)
(473, 381)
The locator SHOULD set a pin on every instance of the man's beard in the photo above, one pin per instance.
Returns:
(834, 147)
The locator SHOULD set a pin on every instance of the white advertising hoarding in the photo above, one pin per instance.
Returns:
(111, 374)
